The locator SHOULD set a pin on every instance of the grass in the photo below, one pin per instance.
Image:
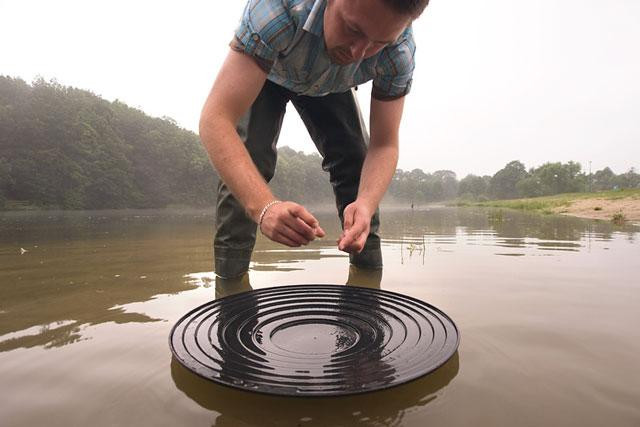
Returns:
(619, 218)
(549, 204)
(17, 205)
(496, 216)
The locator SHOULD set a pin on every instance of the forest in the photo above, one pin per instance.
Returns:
(67, 148)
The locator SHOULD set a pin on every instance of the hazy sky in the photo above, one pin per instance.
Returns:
(496, 80)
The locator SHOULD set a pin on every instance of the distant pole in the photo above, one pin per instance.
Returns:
(589, 176)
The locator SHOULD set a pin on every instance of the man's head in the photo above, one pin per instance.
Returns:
(358, 29)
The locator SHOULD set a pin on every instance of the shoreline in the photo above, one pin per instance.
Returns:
(603, 209)
(617, 206)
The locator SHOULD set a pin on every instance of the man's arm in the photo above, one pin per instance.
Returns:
(377, 172)
(236, 87)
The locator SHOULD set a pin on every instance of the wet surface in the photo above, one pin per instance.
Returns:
(547, 307)
(314, 340)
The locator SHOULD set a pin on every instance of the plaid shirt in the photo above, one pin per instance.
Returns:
(285, 37)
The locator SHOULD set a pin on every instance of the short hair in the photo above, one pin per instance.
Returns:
(413, 8)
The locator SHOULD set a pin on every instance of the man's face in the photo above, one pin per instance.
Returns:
(357, 29)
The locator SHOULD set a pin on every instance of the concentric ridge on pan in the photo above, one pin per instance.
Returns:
(364, 340)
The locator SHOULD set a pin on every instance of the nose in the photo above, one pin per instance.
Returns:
(359, 48)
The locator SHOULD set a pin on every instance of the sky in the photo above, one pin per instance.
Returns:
(495, 80)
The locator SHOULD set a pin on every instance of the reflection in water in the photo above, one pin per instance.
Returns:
(367, 278)
(87, 266)
(60, 333)
(55, 334)
(370, 278)
(383, 408)
(236, 285)
(290, 260)
(83, 268)
(532, 294)
(231, 359)
(446, 223)
(373, 361)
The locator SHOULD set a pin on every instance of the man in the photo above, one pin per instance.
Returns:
(309, 52)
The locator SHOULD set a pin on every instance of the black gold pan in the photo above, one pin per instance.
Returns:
(314, 340)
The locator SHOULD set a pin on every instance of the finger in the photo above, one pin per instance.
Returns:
(352, 247)
(351, 235)
(281, 238)
(304, 215)
(348, 218)
(358, 246)
(348, 239)
(319, 231)
(310, 226)
(293, 235)
(301, 227)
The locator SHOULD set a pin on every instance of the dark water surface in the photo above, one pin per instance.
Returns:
(548, 308)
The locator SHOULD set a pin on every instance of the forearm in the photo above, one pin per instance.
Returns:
(234, 165)
(377, 172)
(235, 89)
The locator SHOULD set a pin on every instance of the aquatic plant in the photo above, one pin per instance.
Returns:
(619, 218)
(496, 216)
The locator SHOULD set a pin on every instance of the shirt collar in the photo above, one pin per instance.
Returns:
(315, 21)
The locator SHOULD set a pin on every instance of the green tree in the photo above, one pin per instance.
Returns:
(503, 184)
(603, 179)
(5, 180)
(629, 179)
(300, 177)
(71, 149)
(473, 187)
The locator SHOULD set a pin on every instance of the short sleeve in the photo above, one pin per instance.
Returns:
(394, 69)
(266, 29)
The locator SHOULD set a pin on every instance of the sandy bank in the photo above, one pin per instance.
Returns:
(602, 208)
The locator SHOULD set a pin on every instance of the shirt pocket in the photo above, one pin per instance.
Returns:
(365, 72)
(289, 68)
(298, 76)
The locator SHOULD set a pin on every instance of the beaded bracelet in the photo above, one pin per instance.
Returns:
(264, 211)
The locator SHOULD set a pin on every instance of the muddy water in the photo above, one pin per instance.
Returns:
(548, 309)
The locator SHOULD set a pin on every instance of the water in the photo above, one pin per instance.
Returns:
(547, 306)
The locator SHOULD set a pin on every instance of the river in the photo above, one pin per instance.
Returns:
(548, 309)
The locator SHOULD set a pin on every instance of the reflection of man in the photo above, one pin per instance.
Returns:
(347, 311)
(309, 52)
(231, 363)
(365, 278)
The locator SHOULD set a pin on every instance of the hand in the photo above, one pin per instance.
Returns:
(357, 221)
(290, 224)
